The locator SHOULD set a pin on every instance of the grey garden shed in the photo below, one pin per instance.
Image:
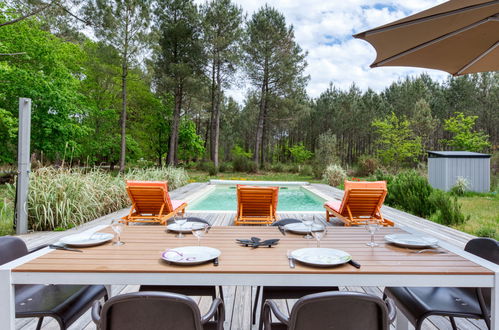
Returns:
(445, 167)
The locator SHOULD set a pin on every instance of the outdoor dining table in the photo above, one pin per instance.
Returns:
(139, 261)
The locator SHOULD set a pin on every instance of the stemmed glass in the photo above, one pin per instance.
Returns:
(199, 230)
(308, 222)
(319, 231)
(117, 227)
(372, 225)
(180, 221)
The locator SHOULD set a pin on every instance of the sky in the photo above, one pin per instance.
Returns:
(324, 29)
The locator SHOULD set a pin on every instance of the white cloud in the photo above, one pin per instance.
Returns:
(325, 28)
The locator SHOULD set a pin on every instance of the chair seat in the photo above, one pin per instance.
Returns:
(66, 303)
(416, 303)
(335, 205)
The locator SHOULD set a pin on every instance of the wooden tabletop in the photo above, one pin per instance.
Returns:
(144, 245)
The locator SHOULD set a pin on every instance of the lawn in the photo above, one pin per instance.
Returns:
(483, 210)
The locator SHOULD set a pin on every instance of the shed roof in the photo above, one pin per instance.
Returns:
(457, 154)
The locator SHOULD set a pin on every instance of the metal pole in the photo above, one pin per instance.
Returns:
(24, 166)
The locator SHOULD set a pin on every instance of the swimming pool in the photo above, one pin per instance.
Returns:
(291, 198)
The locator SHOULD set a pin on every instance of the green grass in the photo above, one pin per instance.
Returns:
(200, 176)
(6, 212)
(483, 210)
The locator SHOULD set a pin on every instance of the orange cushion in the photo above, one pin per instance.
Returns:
(160, 184)
(335, 205)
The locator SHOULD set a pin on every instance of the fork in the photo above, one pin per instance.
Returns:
(428, 250)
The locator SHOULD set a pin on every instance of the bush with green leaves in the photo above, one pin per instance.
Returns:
(225, 167)
(326, 153)
(299, 153)
(63, 198)
(410, 192)
(334, 175)
(464, 137)
(367, 165)
(447, 209)
(306, 170)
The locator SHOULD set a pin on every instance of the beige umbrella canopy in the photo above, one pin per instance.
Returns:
(458, 36)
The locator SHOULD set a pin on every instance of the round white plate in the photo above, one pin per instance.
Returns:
(186, 228)
(300, 228)
(190, 255)
(322, 257)
(411, 241)
(82, 240)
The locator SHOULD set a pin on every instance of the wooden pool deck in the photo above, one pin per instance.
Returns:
(238, 298)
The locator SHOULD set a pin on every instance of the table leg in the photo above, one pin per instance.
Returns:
(494, 308)
(401, 322)
(7, 310)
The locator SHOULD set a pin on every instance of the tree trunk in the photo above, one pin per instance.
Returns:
(173, 143)
(261, 118)
(215, 117)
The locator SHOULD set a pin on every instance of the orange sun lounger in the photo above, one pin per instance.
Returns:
(151, 202)
(256, 205)
(361, 201)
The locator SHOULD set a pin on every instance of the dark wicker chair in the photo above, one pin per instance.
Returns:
(156, 311)
(419, 303)
(283, 292)
(333, 310)
(64, 303)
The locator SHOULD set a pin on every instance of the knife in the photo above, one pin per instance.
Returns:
(282, 230)
(354, 263)
(60, 247)
(215, 262)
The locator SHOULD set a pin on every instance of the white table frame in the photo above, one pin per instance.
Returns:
(8, 279)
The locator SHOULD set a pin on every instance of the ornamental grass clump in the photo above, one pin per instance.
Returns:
(334, 175)
(63, 198)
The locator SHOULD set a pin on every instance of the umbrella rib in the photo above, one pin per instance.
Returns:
(424, 19)
(434, 41)
(464, 68)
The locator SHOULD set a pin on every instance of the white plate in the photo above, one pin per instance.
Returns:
(300, 228)
(82, 240)
(321, 256)
(190, 255)
(412, 241)
(186, 228)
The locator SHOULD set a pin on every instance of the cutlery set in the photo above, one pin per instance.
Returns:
(255, 242)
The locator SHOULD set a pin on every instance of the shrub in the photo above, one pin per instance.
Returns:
(334, 175)
(63, 198)
(487, 231)
(367, 165)
(277, 167)
(243, 164)
(410, 192)
(306, 170)
(299, 153)
(326, 153)
(225, 167)
(447, 209)
(461, 186)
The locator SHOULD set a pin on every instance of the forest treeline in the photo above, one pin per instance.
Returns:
(124, 81)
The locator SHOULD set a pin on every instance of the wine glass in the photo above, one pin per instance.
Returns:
(199, 230)
(319, 231)
(117, 227)
(180, 221)
(372, 225)
(308, 222)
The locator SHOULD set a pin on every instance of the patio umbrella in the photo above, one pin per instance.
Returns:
(458, 36)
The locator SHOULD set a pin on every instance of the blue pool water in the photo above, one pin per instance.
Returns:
(223, 198)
